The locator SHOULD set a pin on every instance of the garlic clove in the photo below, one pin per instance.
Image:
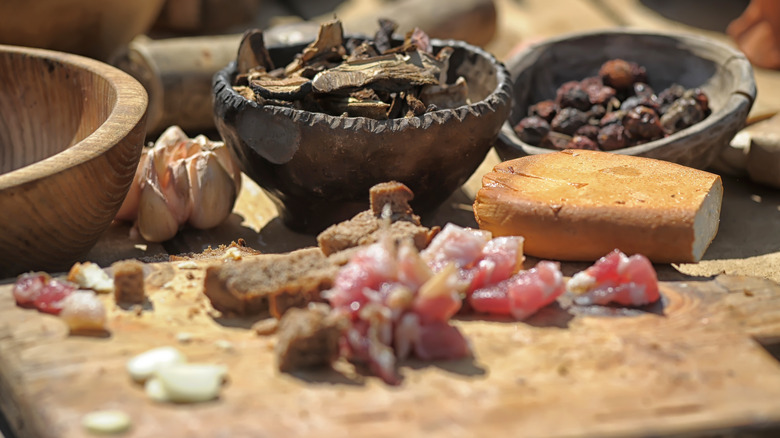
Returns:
(191, 383)
(212, 190)
(175, 187)
(143, 366)
(109, 421)
(156, 222)
(228, 161)
(156, 391)
(129, 209)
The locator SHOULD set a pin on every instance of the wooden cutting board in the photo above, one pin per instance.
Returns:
(689, 365)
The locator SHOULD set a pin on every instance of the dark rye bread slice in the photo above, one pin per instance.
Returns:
(309, 337)
(366, 227)
(269, 283)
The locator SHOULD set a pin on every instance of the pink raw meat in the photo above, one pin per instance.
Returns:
(617, 278)
(523, 294)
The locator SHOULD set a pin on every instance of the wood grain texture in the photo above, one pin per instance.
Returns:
(70, 139)
(686, 366)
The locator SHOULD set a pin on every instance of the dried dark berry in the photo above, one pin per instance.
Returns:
(621, 75)
(681, 114)
(642, 123)
(590, 131)
(555, 140)
(630, 103)
(571, 95)
(701, 99)
(622, 110)
(591, 81)
(612, 117)
(669, 95)
(596, 112)
(582, 142)
(569, 120)
(612, 137)
(545, 109)
(641, 89)
(600, 94)
(532, 130)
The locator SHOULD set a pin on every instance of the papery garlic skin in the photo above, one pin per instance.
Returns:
(181, 180)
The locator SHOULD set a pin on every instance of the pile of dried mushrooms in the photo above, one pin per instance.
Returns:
(352, 77)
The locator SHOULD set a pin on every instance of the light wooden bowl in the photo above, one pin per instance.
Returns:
(71, 135)
(722, 72)
(94, 28)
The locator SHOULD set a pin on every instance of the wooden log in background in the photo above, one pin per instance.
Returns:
(177, 72)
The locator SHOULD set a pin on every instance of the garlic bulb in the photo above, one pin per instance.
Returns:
(181, 180)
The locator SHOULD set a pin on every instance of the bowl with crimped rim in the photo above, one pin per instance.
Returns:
(71, 136)
(692, 61)
(318, 168)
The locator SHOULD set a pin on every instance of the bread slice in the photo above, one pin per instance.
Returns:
(269, 283)
(578, 205)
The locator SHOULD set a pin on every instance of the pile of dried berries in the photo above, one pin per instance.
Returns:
(613, 110)
(379, 79)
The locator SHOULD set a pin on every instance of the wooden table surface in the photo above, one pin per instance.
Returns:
(748, 242)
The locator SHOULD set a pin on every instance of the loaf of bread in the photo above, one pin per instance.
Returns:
(578, 205)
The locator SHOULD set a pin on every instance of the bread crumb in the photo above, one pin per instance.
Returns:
(187, 265)
(266, 327)
(224, 345)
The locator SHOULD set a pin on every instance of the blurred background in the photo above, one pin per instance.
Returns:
(173, 47)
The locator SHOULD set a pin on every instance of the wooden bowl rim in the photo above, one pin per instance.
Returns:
(127, 112)
(737, 62)
(226, 98)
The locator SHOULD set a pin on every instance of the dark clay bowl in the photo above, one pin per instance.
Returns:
(723, 73)
(318, 168)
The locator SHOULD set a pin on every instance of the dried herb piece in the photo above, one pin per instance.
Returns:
(354, 78)
(252, 53)
(383, 39)
(328, 47)
(290, 88)
(393, 72)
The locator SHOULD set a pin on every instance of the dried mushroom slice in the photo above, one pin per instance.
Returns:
(328, 47)
(252, 53)
(352, 107)
(390, 73)
(446, 95)
(291, 88)
(383, 39)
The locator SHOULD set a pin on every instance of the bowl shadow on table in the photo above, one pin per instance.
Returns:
(274, 237)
